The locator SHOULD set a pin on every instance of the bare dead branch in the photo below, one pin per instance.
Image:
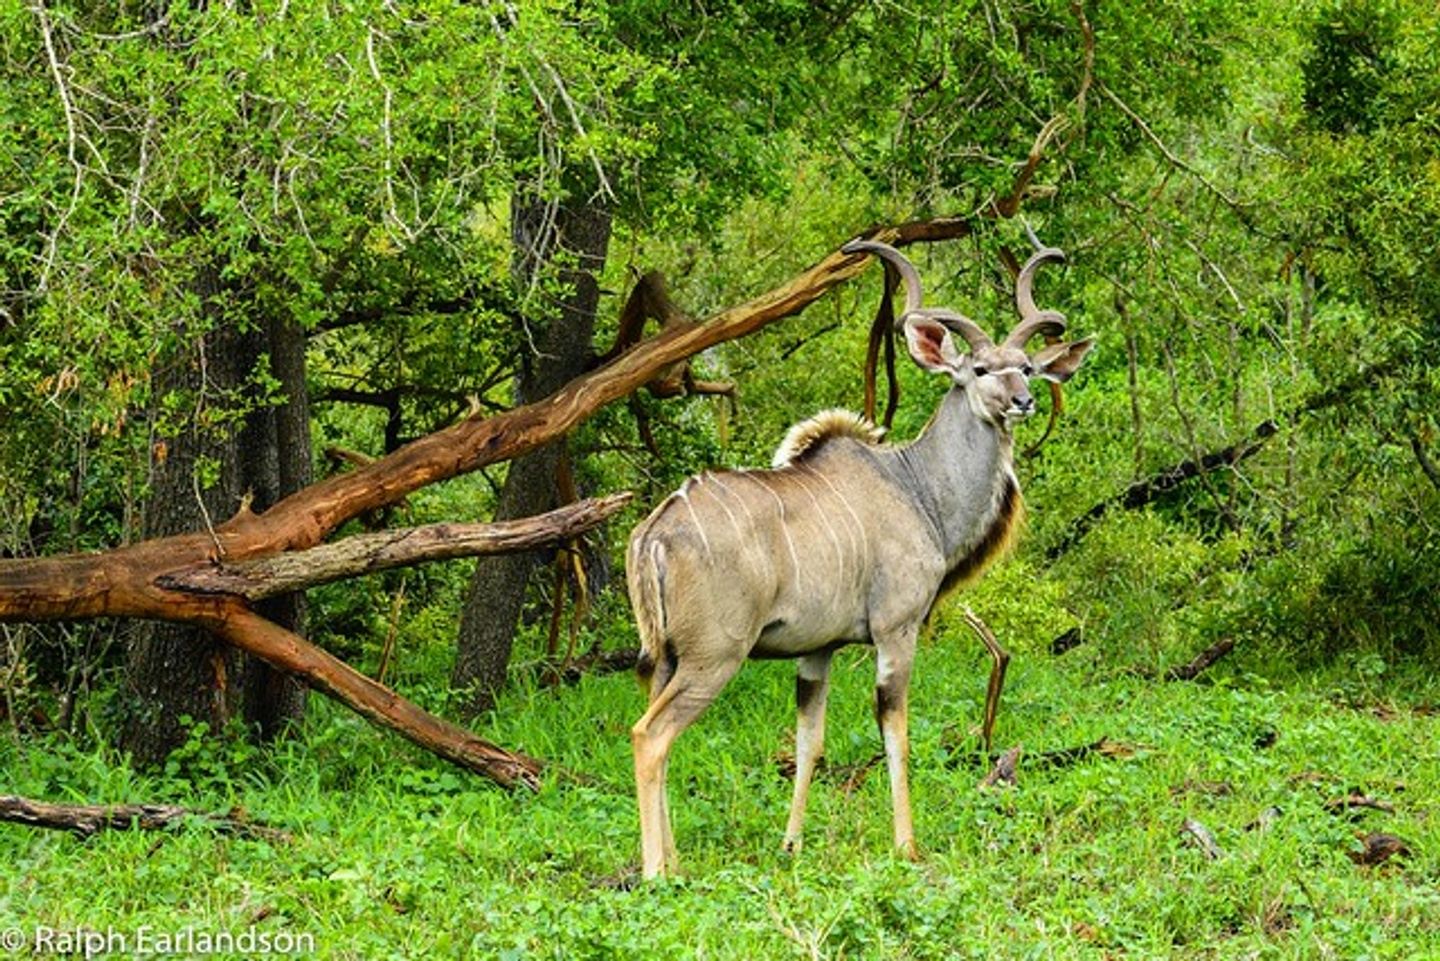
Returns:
(278, 574)
(1426, 464)
(288, 651)
(1171, 157)
(72, 141)
(1000, 659)
(1202, 838)
(1087, 41)
(1150, 489)
(1353, 800)
(1009, 205)
(1202, 661)
(86, 820)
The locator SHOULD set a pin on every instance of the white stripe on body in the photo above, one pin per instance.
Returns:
(784, 527)
(684, 495)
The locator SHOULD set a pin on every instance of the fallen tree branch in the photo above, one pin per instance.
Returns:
(328, 674)
(1000, 659)
(264, 577)
(141, 580)
(1150, 489)
(86, 820)
(1202, 661)
(1353, 800)
(1426, 463)
(1192, 669)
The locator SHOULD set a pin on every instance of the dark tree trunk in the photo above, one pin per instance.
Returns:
(273, 698)
(576, 235)
(174, 670)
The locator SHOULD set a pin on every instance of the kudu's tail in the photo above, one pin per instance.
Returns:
(645, 579)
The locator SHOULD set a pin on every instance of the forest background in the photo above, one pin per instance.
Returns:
(246, 247)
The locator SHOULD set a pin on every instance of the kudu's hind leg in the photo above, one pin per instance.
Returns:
(812, 685)
(892, 684)
(672, 710)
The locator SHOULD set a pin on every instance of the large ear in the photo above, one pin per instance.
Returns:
(931, 346)
(1058, 361)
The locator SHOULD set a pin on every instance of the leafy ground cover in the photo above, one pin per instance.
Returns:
(394, 854)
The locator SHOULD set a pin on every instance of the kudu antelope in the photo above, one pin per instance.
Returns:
(845, 540)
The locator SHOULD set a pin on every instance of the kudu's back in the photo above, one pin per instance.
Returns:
(774, 563)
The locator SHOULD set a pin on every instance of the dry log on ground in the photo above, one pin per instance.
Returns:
(1202, 661)
(1354, 800)
(1190, 670)
(86, 820)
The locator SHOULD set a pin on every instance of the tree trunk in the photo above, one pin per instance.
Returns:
(580, 233)
(176, 670)
(274, 699)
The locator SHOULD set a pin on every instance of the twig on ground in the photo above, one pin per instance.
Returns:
(1200, 835)
(1353, 800)
(1202, 661)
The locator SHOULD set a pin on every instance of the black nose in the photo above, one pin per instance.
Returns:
(1025, 403)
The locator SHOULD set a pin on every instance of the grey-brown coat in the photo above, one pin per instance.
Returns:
(846, 540)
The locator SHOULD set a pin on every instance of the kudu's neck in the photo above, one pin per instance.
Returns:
(957, 469)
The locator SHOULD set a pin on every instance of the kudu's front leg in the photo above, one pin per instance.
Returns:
(812, 686)
(893, 660)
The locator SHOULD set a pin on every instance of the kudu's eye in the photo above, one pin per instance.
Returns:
(981, 370)
(1028, 370)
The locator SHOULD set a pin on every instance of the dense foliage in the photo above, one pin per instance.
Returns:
(1250, 198)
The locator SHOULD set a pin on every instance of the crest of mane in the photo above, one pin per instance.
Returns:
(807, 436)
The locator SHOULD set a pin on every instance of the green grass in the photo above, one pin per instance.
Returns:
(397, 855)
